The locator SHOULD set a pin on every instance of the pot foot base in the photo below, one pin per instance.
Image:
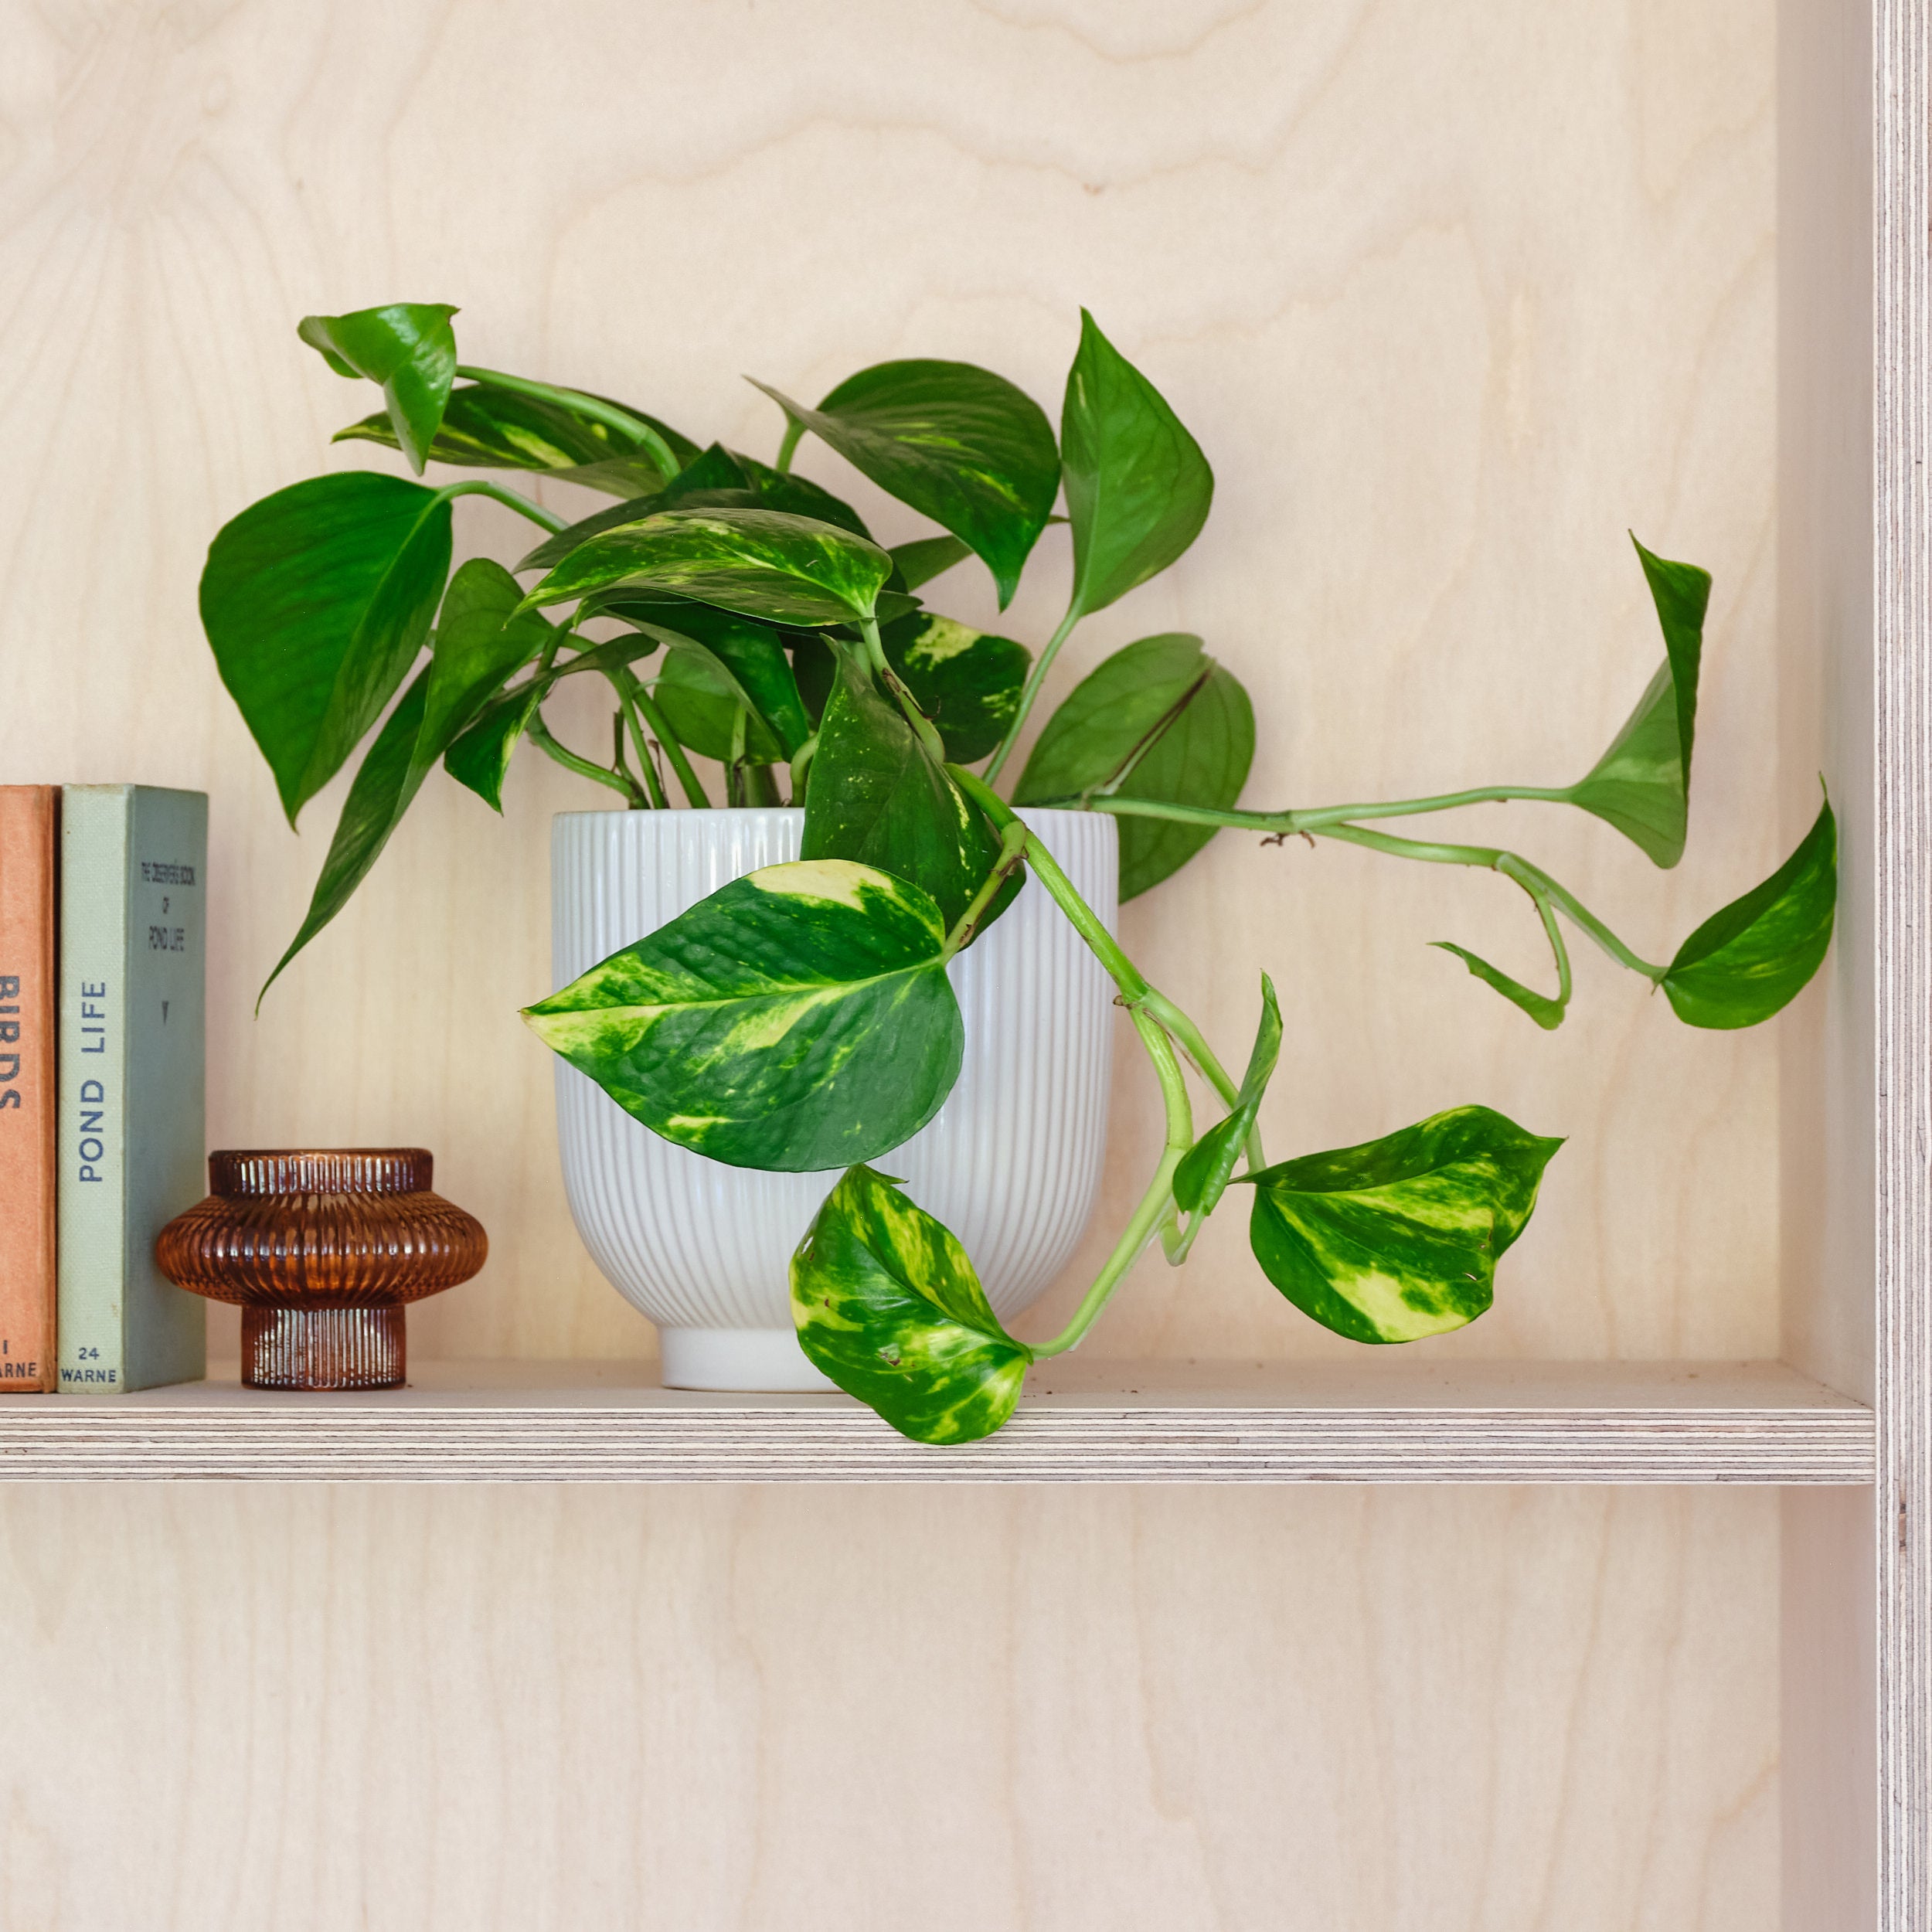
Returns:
(323, 1347)
(765, 1360)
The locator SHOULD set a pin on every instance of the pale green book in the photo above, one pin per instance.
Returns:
(132, 1134)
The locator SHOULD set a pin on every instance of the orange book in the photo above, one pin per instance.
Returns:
(29, 865)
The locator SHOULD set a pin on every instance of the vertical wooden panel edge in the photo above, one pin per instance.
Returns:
(1902, 329)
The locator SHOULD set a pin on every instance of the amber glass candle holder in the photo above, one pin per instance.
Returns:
(323, 1248)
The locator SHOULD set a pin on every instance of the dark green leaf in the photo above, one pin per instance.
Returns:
(485, 428)
(927, 557)
(1399, 1238)
(478, 644)
(316, 601)
(967, 682)
(887, 1303)
(1746, 962)
(1137, 486)
(700, 701)
(1641, 785)
(959, 444)
(1546, 1012)
(799, 1019)
(480, 757)
(876, 795)
(786, 570)
(1158, 719)
(1203, 1176)
(799, 496)
(753, 669)
(711, 480)
(409, 349)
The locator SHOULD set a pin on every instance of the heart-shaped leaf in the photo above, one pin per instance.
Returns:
(799, 1019)
(479, 643)
(927, 557)
(316, 601)
(1745, 963)
(1641, 785)
(1547, 1013)
(488, 428)
(1399, 1238)
(887, 1304)
(785, 569)
(876, 795)
(407, 348)
(1137, 486)
(959, 444)
(967, 682)
(1203, 1176)
(1158, 719)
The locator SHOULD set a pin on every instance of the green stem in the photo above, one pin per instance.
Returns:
(640, 433)
(538, 733)
(1035, 678)
(794, 431)
(801, 764)
(1124, 974)
(627, 711)
(1155, 1203)
(1532, 878)
(1316, 818)
(1012, 854)
(695, 794)
(515, 499)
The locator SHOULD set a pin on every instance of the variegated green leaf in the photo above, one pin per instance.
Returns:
(407, 348)
(1641, 785)
(783, 569)
(887, 1304)
(797, 1019)
(959, 444)
(1745, 963)
(1399, 1238)
(967, 682)
(485, 427)
(877, 795)
(1202, 1177)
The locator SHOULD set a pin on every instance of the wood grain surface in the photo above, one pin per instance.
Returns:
(409, 1711)
(1452, 297)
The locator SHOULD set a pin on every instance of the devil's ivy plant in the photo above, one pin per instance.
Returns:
(801, 1019)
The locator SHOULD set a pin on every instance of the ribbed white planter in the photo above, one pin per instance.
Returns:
(1011, 1163)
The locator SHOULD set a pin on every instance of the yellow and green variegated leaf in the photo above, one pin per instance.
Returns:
(1745, 963)
(797, 1019)
(761, 563)
(876, 795)
(1641, 785)
(967, 682)
(1399, 1238)
(409, 349)
(959, 444)
(483, 427)
(1203, 1176)
(887, 1304)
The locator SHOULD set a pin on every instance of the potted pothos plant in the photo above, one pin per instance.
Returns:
(803, 1017)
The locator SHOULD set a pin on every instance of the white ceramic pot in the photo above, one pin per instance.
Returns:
(1011, 1163)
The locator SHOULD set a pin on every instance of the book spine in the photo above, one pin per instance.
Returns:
(92, 1135)
(30, 861)
(132, 1134)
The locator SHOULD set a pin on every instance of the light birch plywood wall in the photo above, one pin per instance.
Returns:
(439, 1711)
(1451, 296)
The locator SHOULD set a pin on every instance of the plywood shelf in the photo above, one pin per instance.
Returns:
(1755, 1422)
